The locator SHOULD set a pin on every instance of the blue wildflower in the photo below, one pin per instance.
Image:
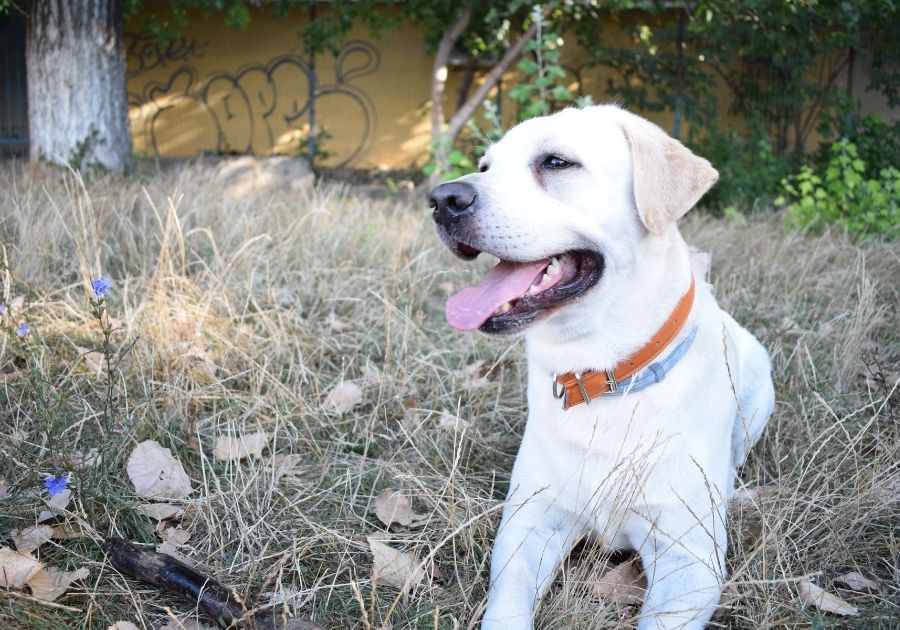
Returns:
(23, 329)
(55, 485)
(101, 286)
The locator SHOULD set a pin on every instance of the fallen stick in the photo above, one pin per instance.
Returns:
(213, 598)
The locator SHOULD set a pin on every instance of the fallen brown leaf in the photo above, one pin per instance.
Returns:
(452, 422)
(31, 538)
(395, 568)
(371, 374)
(394, 509)
(156, 473)
(236, 448)
(160, 511)
(56, 503)
(343, 397)
(285, 464)
(16, 568)
(857, 582)
(824, 601)
(50, 583)
(64, 531)
(176, 536)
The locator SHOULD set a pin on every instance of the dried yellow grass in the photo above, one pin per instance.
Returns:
(247, 313)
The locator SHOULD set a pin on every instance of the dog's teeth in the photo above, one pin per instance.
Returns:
(532, 289)
(554, 267)
(503, 309)
(545, 279)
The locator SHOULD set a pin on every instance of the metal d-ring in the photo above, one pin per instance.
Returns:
(557, 392)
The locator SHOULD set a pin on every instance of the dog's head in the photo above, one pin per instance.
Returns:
(558, 200)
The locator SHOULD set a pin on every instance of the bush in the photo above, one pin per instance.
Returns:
(749, 169)
(842, 195)
(877, 142)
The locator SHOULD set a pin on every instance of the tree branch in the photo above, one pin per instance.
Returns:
(468, 109)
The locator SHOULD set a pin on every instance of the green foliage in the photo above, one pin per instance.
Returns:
(652, 72)
(749, 170)
(171, 21)
(540, 88)
(842, 195)
(329, 22)
(458, 164)
(319, 152)
(877, 142)
(781, 61)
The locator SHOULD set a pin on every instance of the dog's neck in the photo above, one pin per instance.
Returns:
(628, 306)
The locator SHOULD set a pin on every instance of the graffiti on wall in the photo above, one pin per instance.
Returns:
(254, 109)
(145, 52)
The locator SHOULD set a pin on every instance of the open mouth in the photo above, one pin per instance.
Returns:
(513, 294)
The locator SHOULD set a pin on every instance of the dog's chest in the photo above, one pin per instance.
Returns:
(604, 458)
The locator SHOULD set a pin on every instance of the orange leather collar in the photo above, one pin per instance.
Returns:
(578, 387)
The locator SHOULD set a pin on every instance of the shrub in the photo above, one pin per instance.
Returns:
(877, 141)
(842, 195)
(749, 169)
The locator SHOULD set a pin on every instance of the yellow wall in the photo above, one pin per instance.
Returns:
(219, 90)
(247, 91)
(223, 91)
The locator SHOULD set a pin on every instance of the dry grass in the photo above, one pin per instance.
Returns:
(246, 313)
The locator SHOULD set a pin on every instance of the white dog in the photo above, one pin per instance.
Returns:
(580, 208)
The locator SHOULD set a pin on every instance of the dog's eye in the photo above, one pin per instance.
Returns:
(483, 168)
(555, 162)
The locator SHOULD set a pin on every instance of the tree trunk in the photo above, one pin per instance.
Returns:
(439, 73)
(77, 104)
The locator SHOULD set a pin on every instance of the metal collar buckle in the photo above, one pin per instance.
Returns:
(612, 382)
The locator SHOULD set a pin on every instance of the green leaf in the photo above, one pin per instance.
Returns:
(562, 94)
(528, 65)
(555, 72)
(520, 92)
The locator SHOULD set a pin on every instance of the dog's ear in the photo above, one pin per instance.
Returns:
(668, 178)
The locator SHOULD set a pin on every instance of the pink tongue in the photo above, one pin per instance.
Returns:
(471, 307)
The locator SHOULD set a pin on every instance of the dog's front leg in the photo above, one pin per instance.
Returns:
(684, 560)
(532, 541)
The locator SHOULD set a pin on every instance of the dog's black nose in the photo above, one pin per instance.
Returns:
(451, 202)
